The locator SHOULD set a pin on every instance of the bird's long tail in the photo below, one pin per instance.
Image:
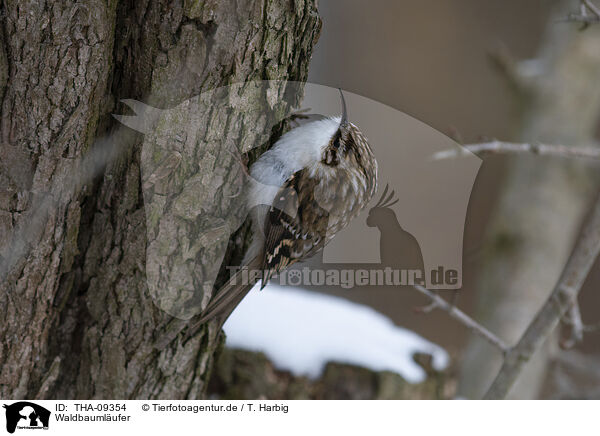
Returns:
(230, 294)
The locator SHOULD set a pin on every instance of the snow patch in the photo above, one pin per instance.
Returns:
(300, 331)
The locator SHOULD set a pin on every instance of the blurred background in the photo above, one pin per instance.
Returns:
(445, 63)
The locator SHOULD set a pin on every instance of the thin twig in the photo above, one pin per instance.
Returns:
(573, 318)
(508, 67)
(463, 318)
(500, 147)
(588, 14)
(594, 328)
(562, 298)
(427, 308)
(595, 10)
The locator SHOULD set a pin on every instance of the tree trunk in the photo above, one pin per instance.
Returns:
(542, 202)
(78, 320)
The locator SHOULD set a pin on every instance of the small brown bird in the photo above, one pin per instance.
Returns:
(310, 185)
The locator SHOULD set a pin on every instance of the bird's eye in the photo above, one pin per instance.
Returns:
(336, 144)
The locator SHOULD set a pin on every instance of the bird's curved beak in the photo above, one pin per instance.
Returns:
(344, 120)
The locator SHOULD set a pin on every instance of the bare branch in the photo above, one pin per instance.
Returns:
(562, 298)
(499, 147)
(463, 318)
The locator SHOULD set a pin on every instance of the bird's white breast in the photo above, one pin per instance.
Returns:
(299, 148)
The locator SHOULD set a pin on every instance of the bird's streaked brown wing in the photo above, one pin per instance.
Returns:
(295, 226)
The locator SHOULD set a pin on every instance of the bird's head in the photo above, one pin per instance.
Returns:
(349, 149)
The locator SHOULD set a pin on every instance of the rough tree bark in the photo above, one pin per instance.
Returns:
(77, 320)
(542, 202)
